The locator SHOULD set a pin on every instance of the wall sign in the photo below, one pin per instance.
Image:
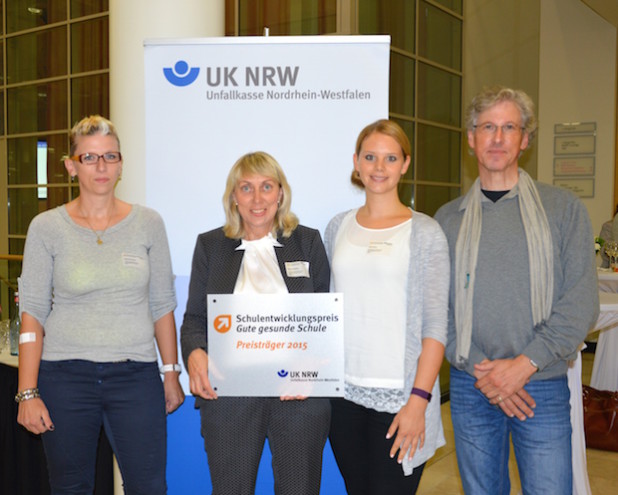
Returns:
(583, 188)
(574, 166)
(574, 156)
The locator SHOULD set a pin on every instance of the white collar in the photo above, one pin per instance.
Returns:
(267, 240)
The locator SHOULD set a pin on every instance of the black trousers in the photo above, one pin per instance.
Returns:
(235, 429)
(358, 439)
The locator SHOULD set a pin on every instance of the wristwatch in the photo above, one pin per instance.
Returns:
(166, 368)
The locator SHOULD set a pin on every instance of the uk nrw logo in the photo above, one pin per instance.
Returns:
(181, 74)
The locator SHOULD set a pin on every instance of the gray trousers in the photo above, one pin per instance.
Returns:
(235, 429)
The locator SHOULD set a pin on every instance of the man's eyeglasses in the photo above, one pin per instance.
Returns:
(93, 158)
(491, 128)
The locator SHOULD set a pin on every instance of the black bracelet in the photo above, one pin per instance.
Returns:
(421, 393)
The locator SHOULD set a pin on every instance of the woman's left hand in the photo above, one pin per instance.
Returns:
(409, 425)
(174, 395)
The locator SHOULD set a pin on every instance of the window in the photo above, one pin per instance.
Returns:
(281, 17)
(54, 71)
(425, 79)
(425, 91)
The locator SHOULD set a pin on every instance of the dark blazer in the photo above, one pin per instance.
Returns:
(215, 268)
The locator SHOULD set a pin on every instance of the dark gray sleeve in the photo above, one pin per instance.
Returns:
(193, 329)
(320, 269)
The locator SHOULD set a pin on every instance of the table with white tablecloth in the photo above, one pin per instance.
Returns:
(604, 373)
(608, 280)
(605, 367)
(581, 484)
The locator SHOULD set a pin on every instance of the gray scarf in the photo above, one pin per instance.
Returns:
(540, 257)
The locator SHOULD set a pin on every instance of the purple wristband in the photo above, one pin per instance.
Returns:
(421, 393)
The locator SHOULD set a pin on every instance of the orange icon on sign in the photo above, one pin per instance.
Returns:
(223, 323)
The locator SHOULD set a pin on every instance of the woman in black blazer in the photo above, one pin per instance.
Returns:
(257, 203)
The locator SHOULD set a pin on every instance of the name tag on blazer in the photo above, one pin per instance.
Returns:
(295, 269)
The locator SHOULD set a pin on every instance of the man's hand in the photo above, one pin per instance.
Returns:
(502, 381)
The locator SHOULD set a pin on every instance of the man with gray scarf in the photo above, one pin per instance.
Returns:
(523, 296)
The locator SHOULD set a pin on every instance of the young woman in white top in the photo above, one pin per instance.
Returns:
(391, 263)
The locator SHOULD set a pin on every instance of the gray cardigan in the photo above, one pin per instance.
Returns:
(426, 317)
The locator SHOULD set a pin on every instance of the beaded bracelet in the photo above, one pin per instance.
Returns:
(29, 393)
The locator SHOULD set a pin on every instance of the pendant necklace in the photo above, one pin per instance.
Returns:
(99, 236)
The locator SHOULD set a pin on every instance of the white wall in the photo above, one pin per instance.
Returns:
(501, 46)
(577, 83)
(130, 23)
(563, 55)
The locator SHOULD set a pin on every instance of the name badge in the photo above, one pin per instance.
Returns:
(132, 260)
(379, 247)
(295, 269)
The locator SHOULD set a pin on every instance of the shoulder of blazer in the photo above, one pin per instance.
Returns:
(300, 234)
(300, 241)
(220, 251)
(223, 260)
(215, 240)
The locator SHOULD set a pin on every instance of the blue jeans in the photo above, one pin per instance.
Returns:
(542, 444)
(127, 399)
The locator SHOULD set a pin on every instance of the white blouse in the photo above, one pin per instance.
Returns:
(259, 271)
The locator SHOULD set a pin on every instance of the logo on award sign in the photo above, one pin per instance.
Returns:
(222, 323)
(181, 74)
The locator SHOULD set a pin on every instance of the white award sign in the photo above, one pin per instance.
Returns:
(275, 345)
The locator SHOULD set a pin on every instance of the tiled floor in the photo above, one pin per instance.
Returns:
(441, 475)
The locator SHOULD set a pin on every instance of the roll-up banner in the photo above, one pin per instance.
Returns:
(303, 99)
(208, 101)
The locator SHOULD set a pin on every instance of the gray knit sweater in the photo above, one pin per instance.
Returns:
(502, 320)
(97, 302)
